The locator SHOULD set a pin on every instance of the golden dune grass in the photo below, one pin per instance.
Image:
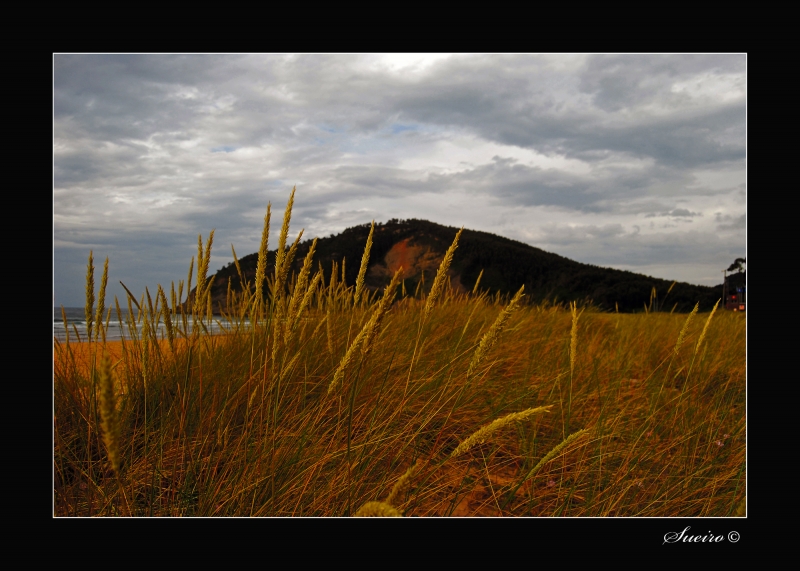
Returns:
(317, 398)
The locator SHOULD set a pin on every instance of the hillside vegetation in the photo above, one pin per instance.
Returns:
(505, 265)
(325, 398)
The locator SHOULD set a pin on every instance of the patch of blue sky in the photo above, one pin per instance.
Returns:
(331, 134)
(399, 128)
(330, 128)
(367, 145)
(224, 149)
(415, 128)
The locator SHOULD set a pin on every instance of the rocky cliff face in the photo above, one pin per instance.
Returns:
(415, 259)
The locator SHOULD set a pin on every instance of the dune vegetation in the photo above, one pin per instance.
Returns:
(323, 398)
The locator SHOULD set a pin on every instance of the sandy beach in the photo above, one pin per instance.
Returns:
(83, 351)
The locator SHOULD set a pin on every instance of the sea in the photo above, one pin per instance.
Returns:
(118, 326)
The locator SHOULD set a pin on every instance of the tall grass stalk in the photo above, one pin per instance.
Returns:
(549, 456)
(573, 354)
(477, 283)
(485, 432)
(101, 300)
(491, 337)
(362, 271)
(363, 340)
(261, 267)
(441, 277)
(433, 296)
(89, 309)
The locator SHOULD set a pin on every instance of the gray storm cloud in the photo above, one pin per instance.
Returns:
(570, 153)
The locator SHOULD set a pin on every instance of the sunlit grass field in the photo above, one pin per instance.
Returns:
(325, 399)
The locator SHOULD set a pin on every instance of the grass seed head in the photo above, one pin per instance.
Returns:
(485, 432)
(329, 327)
(300, 286)
(89, 309)
(705, 328)
(552, 454)
(362, 271)
(368, 332)
(383, 306)
(332, 283)
(441, 276)
(378, 509)
(261, 267)
(167, 318)
(402, 485)
(203, 274)
(573, 338)
(200, 274)
(101, 303)
(477, 283)
(294, 317)
(682, 334)
(351, 351)
(108, 413)
(188, 283)
(282, 272)
(491, 336)
(287, 217)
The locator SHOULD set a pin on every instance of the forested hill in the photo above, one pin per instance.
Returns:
(418, 246)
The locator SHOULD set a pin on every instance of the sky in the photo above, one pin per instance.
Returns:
(628, 161)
